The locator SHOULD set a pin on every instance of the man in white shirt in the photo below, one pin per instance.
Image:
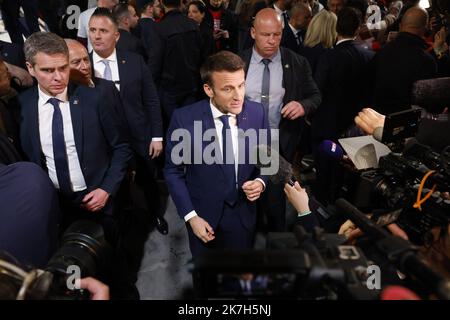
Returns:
(217, 200)
(67, 130)
(83, 21)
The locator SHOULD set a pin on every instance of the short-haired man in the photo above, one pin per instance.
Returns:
(217, 200)
(139, 98)
(69, 131)
(336, 5)
(281, 80)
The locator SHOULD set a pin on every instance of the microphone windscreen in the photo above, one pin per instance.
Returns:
(331, 149)
(284, 168)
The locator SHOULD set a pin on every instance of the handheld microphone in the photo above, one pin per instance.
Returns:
(331, 149)
(284, 173)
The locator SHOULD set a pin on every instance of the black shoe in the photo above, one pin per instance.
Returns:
(162, 226)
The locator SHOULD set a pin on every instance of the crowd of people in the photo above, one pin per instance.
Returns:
(100, 110)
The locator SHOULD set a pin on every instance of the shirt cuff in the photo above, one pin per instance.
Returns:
(302, 214)
(263, 183)
(190, 215)
(157, 139)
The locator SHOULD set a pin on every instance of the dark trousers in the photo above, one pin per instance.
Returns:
(229, 234)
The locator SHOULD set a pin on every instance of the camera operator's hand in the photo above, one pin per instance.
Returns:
(298, 197)
(97, 289)
(95, 200)
(202, 229)
(368, 120)
(393, 228)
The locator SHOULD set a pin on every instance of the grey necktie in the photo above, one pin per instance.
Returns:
(107, 75)
(265, 87)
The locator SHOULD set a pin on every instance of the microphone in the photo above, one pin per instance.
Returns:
(331, 150)
(267, 157)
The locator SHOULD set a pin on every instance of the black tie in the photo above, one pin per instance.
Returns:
(59, 149)
(265, 86)
(227, 153)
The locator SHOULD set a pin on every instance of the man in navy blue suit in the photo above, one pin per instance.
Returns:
(69, 131)
(140, 101)
(217, 198)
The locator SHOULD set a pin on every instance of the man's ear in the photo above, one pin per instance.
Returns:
(253, 32)
(208, 90)
(30, 69)
(117, 34)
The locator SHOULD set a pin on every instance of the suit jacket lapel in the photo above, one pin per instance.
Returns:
(123, 72)
(76, 113)
(243, 124)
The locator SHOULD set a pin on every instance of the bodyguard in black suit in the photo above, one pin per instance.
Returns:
(281, 80)
(139, 98)
(342, 76)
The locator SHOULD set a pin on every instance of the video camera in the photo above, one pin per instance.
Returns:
(408, 187)
(83, 249)
(295, 265)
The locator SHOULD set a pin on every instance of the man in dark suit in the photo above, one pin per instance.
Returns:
(140, 101)
(402, 62)
(295, 33)
(342, 76)
(127, 20)
(281, 80)
(67, 130)
(177, 78)
(217, 198)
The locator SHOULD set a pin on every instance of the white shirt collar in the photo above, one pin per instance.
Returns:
(216, 113)
(45, 97)
(96, 58)
(295, 31)
(344, 40)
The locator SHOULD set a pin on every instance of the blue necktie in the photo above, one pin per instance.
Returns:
(107, 74)
(59, 149)
(227, 152)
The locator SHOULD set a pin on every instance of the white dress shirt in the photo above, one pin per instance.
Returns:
(232, 120)
(99, 67)
(45, 110)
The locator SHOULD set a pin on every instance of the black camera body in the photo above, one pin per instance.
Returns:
(295, 265)
(82, 253)
(391, 190)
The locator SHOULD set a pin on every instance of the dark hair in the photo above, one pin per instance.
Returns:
(171, 3)
(199, 4)
(45, 42)
(120, 11)
(104, 12)
(221, 61)
(348, 22)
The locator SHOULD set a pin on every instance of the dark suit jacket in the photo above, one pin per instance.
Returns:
(312, 55)
(299, 86)
(129, 42)
(140, 100)
(200, 187)
(102, 150)
(341, 75)
(289, 41)
(177, 36)
(398, 65)
(12, 53)
(147, 34)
